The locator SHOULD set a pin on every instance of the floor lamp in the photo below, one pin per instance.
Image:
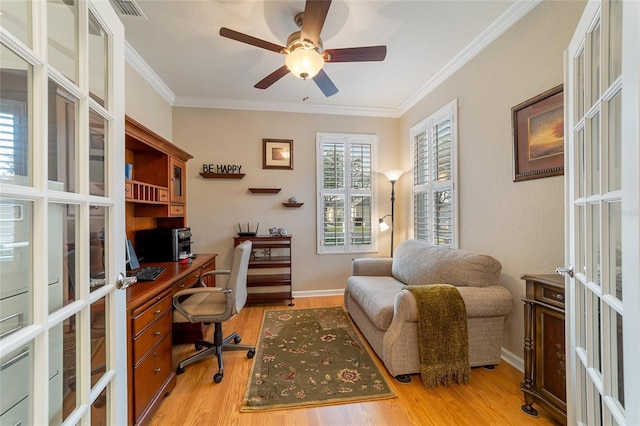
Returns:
(392, 176)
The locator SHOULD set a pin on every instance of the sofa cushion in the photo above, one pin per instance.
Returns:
(375, 295)
(418, 263)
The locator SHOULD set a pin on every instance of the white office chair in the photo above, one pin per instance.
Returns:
(215, 305)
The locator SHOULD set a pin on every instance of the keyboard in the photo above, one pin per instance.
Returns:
(150, 273)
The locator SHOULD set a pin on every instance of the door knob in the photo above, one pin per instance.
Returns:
(122, 281)
(562, 270)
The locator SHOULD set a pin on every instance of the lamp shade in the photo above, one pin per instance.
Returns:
(393, 175)
(304, 63)
(383, 226)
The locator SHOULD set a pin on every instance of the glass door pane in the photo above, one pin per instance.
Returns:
(98, 57)
(615, 39)
(15, 16)
(62, 152)
(15, 125)
(62, 40)
(97, 154)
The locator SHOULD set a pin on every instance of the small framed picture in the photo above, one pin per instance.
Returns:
(277, 154)
(538, 136)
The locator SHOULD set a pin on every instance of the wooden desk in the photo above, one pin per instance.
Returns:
(149, 333)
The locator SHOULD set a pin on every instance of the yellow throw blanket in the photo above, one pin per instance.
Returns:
(442, 334)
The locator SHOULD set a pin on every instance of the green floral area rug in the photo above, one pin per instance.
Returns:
(311, 357)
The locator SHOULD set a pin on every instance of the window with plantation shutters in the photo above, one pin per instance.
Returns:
(346, 194)
(434, 164)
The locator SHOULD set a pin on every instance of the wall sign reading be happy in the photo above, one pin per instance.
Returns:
(221, 168)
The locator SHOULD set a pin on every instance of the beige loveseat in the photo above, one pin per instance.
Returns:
(387, 315)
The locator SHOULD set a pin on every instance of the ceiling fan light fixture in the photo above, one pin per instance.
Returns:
(304, 63)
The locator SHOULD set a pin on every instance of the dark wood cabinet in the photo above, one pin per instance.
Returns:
(269, 277)
(544, 346)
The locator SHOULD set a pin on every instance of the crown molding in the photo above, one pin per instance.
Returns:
(201, 102)
(136, 61)
(506, 20)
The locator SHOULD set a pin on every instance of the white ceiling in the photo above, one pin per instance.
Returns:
(178, 49)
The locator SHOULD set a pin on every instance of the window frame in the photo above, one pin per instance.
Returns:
(449, 111)
(347, 192)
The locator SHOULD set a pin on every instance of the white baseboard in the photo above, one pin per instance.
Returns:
(315, 293)
(512, 359)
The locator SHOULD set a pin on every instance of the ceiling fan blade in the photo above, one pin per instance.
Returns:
(272, 78)
(325, 84)
(356, 54)
(315, 12)
(244, 38)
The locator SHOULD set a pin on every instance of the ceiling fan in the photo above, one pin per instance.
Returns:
(305, 55)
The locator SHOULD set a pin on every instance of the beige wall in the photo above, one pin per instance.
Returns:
(145, 105)
(519, 223)
(216, 206)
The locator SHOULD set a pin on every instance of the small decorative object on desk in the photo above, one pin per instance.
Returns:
(248, 232)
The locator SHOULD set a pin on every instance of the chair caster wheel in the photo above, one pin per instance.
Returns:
(237, 339)
(251, 353)
(179, 370)
(217, 377)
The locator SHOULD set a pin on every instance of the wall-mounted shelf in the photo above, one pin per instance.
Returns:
(222, 175)
(295, 205)
(264, 190)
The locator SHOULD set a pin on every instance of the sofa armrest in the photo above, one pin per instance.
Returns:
(479, 302)
(372, 266)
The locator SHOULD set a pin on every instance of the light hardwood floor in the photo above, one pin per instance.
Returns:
(493, 397)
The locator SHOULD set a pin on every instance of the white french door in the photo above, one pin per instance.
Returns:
(602, 210)
(62, 322)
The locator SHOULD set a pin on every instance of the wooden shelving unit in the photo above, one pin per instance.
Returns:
(156, 193)
(222, 175)
(264, 190)
(269, 277)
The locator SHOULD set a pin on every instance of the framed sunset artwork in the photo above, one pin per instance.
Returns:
(538, 136)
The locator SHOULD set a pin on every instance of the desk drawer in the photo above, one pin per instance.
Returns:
(150, 374)
(151, 335)
(150, 312)
(550, 295)
(175, 210)
(187, 282)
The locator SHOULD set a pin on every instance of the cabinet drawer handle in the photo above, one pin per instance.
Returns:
(559, 297)
(156, 312)
(157, 370)
(15, 359)
(157, 333)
